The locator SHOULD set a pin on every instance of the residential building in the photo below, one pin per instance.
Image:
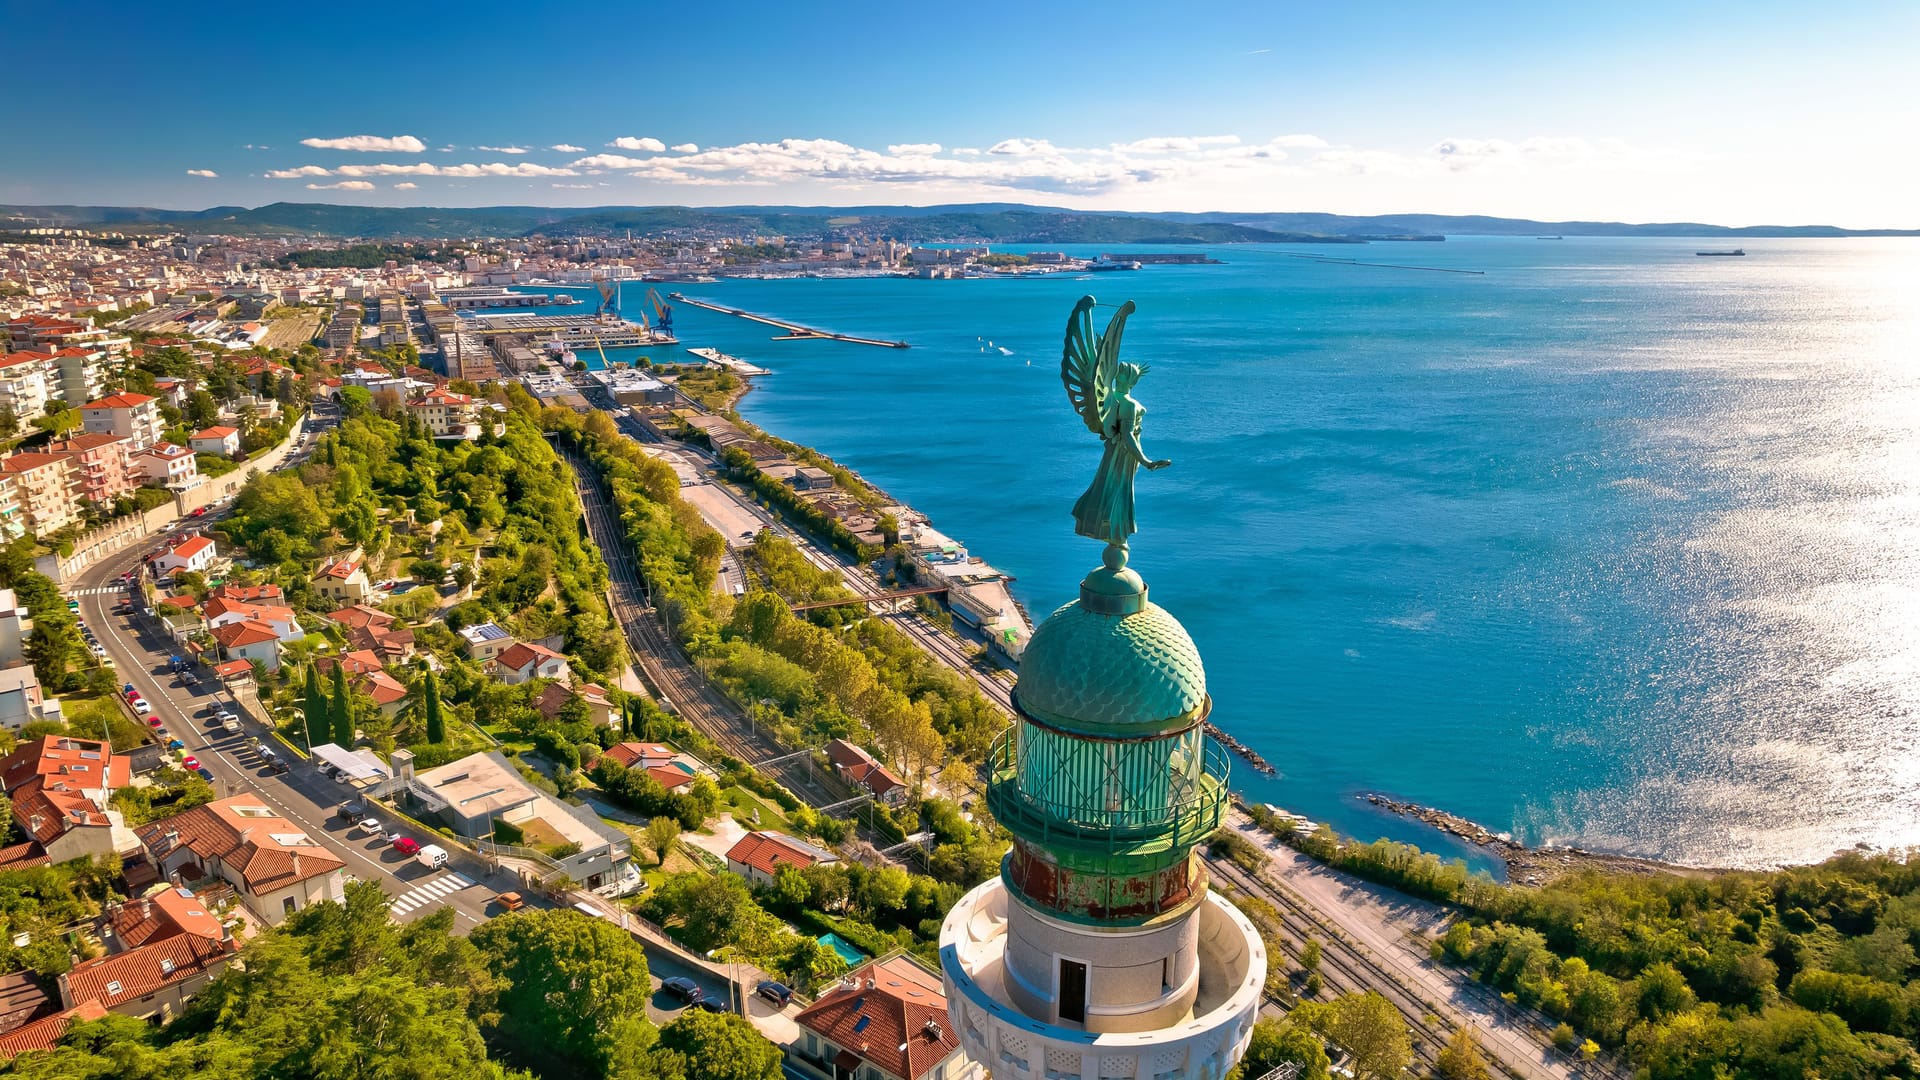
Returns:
(135, 416)
(387, 692)
(46, 1032)
(100, 466)
(250, 594)
(555, 697)
(195, 553)
(473, 793)
(525, 661)
(274, 866)
(759, 856)
(46, 489)
(24, 384)
(484, 641)
(13, 523)
(62, 790)
(446, 414)
(220, 611)
(250, 640)
(857, 767)
(165, 948)
(887, 1020)
(21, 700)
(166, 465)
(639, 755)
(79, 373)
(219, 439)
(15, 625)
(343, 579)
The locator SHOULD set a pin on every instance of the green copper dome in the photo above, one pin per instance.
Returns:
(1088, 671)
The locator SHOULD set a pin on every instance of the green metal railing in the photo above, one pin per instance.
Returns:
(1089, 794)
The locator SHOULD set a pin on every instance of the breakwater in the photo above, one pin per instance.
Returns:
(794, 331)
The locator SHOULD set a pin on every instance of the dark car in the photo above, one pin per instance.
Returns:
(778, 993)
(351, 811)
(683, 988)
(205, 774)
(276, 767)
(706, 1004)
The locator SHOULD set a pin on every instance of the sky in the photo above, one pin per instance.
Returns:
(1727, 113)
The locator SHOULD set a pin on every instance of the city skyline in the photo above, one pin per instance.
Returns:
(1717, 114)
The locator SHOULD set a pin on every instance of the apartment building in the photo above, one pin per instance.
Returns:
(101, 466)
(173, 467)
(24, 378)
(47, 489)
(135, 417)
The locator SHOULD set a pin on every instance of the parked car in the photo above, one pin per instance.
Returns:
(369, 826)
(225, 715)
(140, 706)
(198, 511)
(351, 811)
(176, 744)
(706, 1004)
(432, 856)
(683, 988)
(189, 762)
(276, 767)
(406, 845)
(231, 725)
(205, 774)
(511, 901)
(777, 993)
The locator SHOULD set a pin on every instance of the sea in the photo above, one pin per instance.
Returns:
(1601, 543)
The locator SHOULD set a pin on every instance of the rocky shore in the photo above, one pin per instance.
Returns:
(1528, 865)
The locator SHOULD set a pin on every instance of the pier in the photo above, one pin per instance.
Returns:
(731, 363)
(794, 331)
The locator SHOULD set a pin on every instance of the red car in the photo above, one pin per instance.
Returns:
(189, 762)
(406, 845)
(198, 510)
(154, 721)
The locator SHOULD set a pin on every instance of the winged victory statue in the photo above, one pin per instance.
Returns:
(1100, 388)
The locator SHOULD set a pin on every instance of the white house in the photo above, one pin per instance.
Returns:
(219, 439)
(526, 661)
(194, 553)
(272, 863)
(220, 611)
(250, 639)
(165, 464)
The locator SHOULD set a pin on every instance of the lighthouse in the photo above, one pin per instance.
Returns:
(1098, 953)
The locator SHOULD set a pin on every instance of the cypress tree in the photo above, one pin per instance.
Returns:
(315, 709)
(342, 710)
(436, 723)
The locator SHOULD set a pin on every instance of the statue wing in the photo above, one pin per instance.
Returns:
(1088, 365)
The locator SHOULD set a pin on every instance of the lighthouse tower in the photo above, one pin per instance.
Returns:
(1098, 953)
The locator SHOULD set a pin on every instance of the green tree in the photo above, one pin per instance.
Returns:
(576, 990)
(723, 1046)
(314, 708)
(662, 831)
(340, 709)
(1460, 1059)
(1371, 1029)
(1280, 1042)
(430, 705)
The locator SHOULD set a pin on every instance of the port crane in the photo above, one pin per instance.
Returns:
(662, 311)
(609, 298)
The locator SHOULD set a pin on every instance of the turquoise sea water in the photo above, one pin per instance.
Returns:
(1609, 544)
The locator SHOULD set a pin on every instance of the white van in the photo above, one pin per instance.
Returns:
(432, 856)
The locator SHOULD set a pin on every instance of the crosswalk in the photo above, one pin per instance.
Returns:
(104, 590)
(432, 892)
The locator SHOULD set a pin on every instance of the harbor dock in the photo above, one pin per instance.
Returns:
(731, 363)
(579, 332)
(794, 331)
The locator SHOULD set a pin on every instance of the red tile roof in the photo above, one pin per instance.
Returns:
(246, 632)
(119, 401)
(906, 1031)
(215, 432)
(191, 546)
(523, 654)
(383, 688)
(46, 1032)
(358, 615)
(669, 777)
(164, 914)
(767, 852)
(145, 970)
(248, 594)
(267, 851)
(860, 767)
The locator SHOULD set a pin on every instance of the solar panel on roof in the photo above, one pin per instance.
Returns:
(860, 1025)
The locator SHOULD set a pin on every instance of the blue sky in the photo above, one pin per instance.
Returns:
(1720, 112)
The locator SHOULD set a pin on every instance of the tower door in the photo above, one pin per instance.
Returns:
(1073, 991)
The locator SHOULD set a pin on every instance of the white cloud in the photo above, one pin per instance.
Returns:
(914, 148)
(685, 148)
(609, 161)
(1301, 142)
(1021, 147)
(503, 149)
(253, 146)
(568, 148)
(296, 173)
(427, 168)
(966, 151)
(343, 185)
(577, 187)
(208, 173)
(628, 142)
(385, 144)
(1176, 144)
(405, 185)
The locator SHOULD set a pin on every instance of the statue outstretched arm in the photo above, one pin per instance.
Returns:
(1129, 441)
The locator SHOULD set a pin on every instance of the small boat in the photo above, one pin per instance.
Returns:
(1734, 252)
(1549, 238)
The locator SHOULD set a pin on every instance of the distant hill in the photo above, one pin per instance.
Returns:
(992, 223)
